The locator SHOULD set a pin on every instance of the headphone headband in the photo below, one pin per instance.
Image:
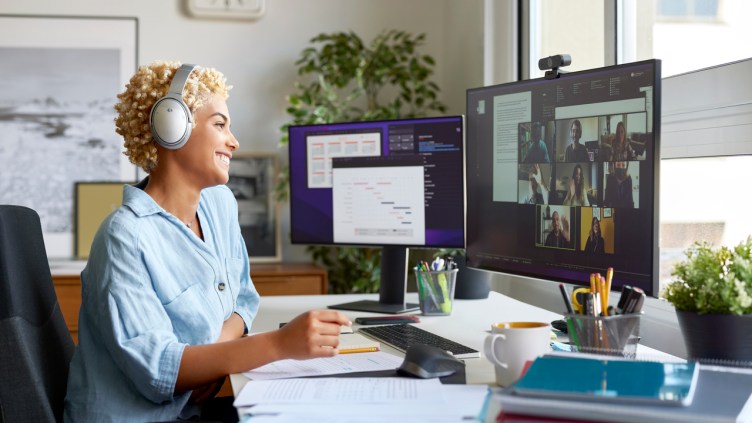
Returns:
(180, 79)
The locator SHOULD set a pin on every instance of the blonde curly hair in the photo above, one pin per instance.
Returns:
(149, 84)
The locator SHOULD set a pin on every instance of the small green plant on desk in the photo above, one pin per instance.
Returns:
(712, 294)
(343, 79)
(713, 280)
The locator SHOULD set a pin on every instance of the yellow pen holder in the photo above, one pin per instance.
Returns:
(436, 291)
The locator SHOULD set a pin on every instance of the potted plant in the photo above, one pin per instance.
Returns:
(344, 79)
(712, 294)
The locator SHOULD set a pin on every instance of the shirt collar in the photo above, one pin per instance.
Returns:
(141, 203)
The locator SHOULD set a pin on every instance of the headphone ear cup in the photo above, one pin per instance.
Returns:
(171, 122)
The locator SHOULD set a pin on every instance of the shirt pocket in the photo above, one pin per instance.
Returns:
(193, 321)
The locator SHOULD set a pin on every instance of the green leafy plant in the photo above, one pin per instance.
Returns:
(713, 280)
(343, 79)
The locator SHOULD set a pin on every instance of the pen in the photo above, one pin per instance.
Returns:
(567, 303)
(424, 277)
(359, 350)
(445, 300)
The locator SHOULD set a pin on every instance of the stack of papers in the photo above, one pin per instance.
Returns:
(278, 392)
(361, 400)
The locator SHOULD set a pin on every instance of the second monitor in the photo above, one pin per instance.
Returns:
(392, 184)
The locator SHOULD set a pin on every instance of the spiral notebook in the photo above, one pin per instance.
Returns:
(671, 384)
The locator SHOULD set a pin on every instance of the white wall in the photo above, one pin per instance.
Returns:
(258, 56)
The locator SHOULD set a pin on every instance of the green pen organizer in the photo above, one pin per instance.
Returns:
(436, 291)
(607, 335)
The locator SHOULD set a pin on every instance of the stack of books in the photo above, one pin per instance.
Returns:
(575, 388)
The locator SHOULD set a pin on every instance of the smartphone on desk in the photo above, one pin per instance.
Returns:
(386, 320)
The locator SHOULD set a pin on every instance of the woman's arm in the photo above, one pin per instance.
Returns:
(310, 335)
(232, 328)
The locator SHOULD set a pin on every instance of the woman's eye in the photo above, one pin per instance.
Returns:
(220, 125)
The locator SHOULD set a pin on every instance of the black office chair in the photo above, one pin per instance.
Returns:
(35, 345)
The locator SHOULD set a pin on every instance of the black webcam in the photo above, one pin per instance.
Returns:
(551, 64)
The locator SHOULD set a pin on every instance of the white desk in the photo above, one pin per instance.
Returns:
(469, 324)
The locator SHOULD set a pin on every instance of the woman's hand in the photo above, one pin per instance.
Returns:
(312, 334)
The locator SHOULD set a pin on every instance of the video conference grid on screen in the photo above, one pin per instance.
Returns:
(380, 183)
(562, 176)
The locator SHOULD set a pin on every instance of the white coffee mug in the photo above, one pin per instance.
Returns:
(512, 344)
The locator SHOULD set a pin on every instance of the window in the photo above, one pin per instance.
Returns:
(702, 200)
(686, 34)
(566, 27)
(687, 10)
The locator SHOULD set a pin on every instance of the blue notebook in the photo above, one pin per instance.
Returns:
(610, 380)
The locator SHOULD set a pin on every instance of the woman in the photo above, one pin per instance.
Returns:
(166, 293)
(576, 152)
(576, 196)
(595, 242)
(621, 150)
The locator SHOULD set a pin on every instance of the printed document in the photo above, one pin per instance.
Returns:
(341, 391)
(342, 363)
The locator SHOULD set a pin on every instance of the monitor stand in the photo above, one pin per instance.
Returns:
(393, 286)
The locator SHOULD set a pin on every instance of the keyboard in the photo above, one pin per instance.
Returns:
(404, 335)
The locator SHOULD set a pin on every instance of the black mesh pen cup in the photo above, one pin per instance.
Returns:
(608, 335)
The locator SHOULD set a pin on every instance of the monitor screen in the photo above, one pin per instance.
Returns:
(392, 184)
(562, 176)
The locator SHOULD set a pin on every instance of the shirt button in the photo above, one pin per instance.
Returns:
(221, 286)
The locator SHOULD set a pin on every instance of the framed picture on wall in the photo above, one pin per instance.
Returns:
(607, 212)
(252, 181)
(94, 202)
(61, 77)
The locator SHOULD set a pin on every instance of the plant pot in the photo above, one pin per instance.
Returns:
(471, 284)
(716, 336)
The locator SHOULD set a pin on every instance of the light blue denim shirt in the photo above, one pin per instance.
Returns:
(150, 288)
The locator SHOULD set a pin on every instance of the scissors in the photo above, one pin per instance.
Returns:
(578, 299)
(438, 264)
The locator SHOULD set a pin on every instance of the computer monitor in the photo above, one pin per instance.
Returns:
(393, 184)
(562, 176)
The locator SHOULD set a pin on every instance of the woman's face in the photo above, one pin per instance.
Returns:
(620, 133)
(596, 226)
(577, 175)
(206, 156)
(574, 133)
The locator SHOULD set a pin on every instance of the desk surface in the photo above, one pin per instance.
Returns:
(469, 323)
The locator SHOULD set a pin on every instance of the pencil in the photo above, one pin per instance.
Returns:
(359, 350)
(604, 296)
(609, 278)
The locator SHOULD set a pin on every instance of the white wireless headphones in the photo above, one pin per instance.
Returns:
(171, 120)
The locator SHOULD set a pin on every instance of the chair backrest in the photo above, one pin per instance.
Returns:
(35, 345)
